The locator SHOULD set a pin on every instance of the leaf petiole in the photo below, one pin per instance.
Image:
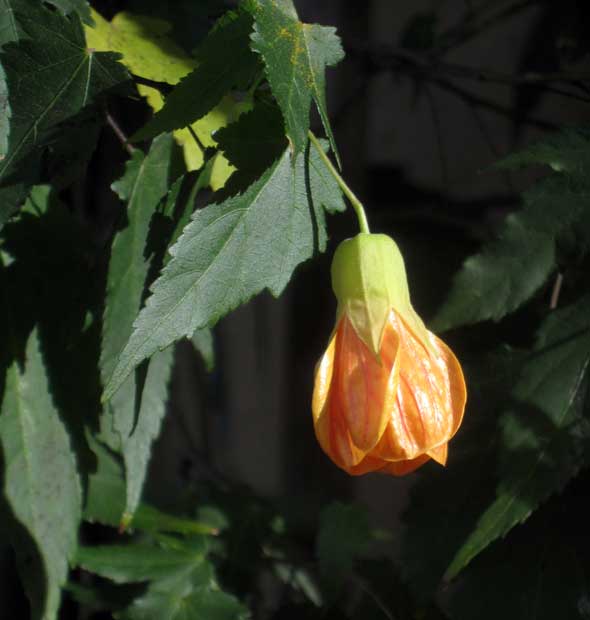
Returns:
(354, 201)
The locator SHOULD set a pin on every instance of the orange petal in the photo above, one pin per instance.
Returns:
(430, 398)
(363, 387)
(330, 429)
(401, 468)
(439, 454)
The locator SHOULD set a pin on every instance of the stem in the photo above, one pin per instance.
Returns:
(119, 132)
(354, 201)
(196, 138)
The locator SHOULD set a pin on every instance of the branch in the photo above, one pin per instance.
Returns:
(428, 67)
(467, 28)
(472, 99)
(118, 132)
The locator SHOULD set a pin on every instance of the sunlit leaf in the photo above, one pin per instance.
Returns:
(224, 62)
(132, 419)
(296, 56)
(230, 252)
(149, 52)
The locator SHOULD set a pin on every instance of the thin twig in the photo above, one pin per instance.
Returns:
(556, 291)
(462, 32)
(426, 67)
(475, 100)
(196, 138)
(119, 132)
(374, 597)
(444, 171)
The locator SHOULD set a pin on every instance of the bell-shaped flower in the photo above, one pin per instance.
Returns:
(388, 393)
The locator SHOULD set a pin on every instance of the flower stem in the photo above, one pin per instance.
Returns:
(354, 201)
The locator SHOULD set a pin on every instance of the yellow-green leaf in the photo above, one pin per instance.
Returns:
(148, 52)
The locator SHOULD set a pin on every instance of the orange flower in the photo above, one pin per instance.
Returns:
(388, 393)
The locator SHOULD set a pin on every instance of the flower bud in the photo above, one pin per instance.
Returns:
(388, 393)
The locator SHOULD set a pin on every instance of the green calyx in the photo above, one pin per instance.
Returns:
(369, 280)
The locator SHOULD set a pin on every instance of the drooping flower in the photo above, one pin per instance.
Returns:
(388, 393)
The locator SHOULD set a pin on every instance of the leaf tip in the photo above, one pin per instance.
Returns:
(125, 522)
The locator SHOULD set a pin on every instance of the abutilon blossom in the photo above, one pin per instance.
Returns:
(388, 393)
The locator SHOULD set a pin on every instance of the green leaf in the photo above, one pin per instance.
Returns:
(138, 562)
(538, 572)
(137, 444)
(192, 596)
(74, 6)
(133, 416)
(147, 51)
(183, 585)
(512, 268)
(252, 143)
(51, 76)
(344, 534)
(10, 29)
(106, 496)
(40, 478)
(567, 151)
(71, 146)
(203, 343)
(232, 251)
(224, 62)
(445, 503)
(11, 198)
(296, 56)
(545, 433)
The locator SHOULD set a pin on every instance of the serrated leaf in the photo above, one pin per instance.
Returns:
(224, 62)
(106, 495)
(202, 341)
(50, 76)
(135, 414)
(538, 572)
(545, 433)
(229, 253)
(445, 503)
(9, 27)
(137, 445)
(40, 479)
(193, 596)
(70, 147)
(253, 142)
(138, 562)
(183, 585)
(11, 198)
(296, 56)
(74, 6)
(9, 32)
(511, 268)
(567, 151)
(148, 51)
(344, 534)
